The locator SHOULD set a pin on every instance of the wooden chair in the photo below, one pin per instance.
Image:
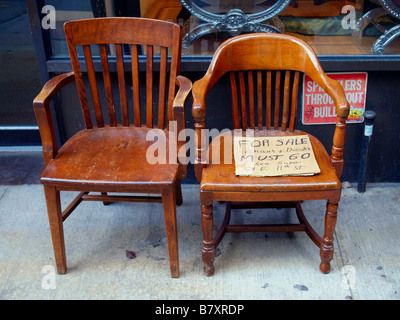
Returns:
(268, 68)
(111, 157)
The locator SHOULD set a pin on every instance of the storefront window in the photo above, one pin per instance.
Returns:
(331, 27)
(65, 11)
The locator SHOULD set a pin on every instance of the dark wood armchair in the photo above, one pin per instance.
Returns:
(265, 71)
(109, 155)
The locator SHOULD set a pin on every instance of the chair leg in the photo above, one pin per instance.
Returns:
(178, 193)
(56, 227)
(106, 203)
(326, 251)
(208, 251)
(169, 204)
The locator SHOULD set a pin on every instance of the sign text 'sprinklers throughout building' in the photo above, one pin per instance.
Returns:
(319, 108)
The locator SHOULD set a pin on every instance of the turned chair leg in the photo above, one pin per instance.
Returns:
(326, 251)
(169, 204)
(56, 227)
(208, 251)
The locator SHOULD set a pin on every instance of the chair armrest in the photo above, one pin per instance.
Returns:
(199, 92)
(43, 113)
(185, 86)
(342, 111)
(52, 87)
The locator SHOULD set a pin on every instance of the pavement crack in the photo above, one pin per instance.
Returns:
(346, 269)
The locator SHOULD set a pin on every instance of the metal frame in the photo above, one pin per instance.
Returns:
(388, 7)
(380, 45)
(234, 22)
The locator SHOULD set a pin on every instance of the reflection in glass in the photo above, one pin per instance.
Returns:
(324, 24)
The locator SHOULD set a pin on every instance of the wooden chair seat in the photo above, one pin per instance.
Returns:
(221, 177)
(107, 157)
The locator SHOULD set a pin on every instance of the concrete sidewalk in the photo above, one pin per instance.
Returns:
(366, 263)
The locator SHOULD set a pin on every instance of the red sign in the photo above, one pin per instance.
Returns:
(318, 106)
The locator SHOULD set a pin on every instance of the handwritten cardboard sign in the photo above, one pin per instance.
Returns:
(274, 156)
(318, 106)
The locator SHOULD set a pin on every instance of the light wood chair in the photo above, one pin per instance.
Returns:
(109, 155)
(265, 71)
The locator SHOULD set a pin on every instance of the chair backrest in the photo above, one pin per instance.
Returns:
(129, 34)
(264, 73)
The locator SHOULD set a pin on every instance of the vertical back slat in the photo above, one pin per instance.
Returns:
(81, 88)
(251, 99)
(259, 100)
(149, 86)
(285, 110)
(268, 100)
(93, 86)
(78, 77)
(107, 85)
(295, 92)
(235, 113)
(243, 100)
(277, 99)
(136, 86)
(162, 87)
(122, 85)
(174, 72)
